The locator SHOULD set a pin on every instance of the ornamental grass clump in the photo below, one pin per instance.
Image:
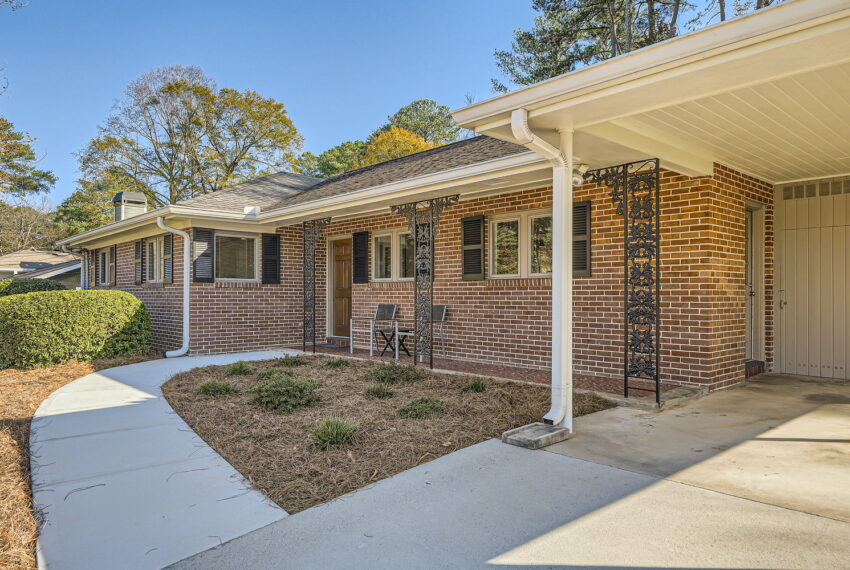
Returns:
(476, 386)
(390, 373)
(283, 395)
(290, 361)
(422, 407)
(333, 431)
(216, 388)
(336, 362)
(240, 368)
(379, 391)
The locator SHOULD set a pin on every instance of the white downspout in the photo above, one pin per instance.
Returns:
(184, 348)
(561, 412)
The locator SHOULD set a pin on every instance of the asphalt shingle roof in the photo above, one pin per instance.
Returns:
(285, 189)
(31, 259)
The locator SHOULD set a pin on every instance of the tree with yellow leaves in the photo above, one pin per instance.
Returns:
(395, 142)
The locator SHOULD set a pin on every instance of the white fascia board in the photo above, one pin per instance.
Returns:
(693, 48)
(514, 164)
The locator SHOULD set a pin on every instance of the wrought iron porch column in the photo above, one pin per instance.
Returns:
(423, 218)
(634, 189)
(311, 230)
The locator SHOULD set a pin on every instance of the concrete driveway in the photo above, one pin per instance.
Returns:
(751, 477)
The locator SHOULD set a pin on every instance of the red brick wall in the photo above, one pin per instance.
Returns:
(508, 320)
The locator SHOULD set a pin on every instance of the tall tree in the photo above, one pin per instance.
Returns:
(88, 207)
(432, 122)
(569, 34)
(26, 222)
(391, 144)
(175, 136)
(341, 158)
(18, 173)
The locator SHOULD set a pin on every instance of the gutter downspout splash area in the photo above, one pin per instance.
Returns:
(184, 348)
(561, 412)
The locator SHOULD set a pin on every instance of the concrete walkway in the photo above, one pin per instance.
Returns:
(632, 490)
(123, 482)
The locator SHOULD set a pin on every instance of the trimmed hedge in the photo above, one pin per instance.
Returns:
(50, 327)
(17, 286)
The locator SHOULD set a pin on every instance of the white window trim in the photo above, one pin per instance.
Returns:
(395, 254)
(157, 243)
(524, 217)
(106, 267)
(256, 239)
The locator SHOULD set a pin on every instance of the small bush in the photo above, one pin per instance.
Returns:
(274, 374)
(337, 362)
(422, 407)
(216, 388)
(290, 361)
(17, 286)
(475, 386)
(51, 327)
(240, 368)
(379, 391)
(283, 395)
(390, 373)
(333, 431)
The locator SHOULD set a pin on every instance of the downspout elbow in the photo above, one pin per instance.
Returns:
(184, 348)
(525, 136)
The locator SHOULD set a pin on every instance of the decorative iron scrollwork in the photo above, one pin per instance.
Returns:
(634, 191)
(423, 218)
(312, 230)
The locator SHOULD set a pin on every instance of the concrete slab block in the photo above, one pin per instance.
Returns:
(536, 435)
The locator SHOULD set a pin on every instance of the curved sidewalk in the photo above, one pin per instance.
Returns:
(123, 482)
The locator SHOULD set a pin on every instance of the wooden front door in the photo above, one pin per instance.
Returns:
(341, 283)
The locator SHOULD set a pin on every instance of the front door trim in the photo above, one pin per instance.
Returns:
(329, 289)
(758, 318)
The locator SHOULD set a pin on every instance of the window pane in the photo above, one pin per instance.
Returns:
(541, 245)
(234, 257)
(151, 261)
(383, 257)
(506, 248)
(405, 243)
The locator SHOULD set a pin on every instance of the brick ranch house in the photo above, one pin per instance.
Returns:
(725, 153)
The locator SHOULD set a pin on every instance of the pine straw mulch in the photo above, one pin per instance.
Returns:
(274, 452)
(21, 392)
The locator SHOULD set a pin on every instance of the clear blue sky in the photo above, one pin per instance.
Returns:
(340, 67)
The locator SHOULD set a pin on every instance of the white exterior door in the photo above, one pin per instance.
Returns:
(813, 274)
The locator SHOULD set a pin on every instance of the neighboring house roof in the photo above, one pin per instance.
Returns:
(50, 271)
(32, 259)
(265, 192)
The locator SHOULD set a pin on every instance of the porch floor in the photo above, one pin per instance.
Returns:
(524, 374)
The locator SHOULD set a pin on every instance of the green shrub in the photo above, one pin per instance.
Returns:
(475, 386)
(17, 286)
(274, 374)
(290, 361)
(336, 362)
(284, 394)
(380, 391)
(240, 368)
(422, 407)
(216, 388)
(333, 431)
(390, 373)
(50, 327)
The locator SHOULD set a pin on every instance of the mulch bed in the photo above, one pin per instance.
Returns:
(275, 454)
(21, 392)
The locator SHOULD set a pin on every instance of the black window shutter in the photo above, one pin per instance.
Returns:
(113, 254)
(360, 255)
(581, 239)
(97, 277)
(203, 255)
(168, 258)
(271, 259)
(138, 266)
(472, 240)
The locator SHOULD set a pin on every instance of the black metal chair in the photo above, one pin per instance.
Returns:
(384, 313)
(438, 320)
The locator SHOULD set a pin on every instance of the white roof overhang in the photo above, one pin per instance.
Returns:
(767, 93)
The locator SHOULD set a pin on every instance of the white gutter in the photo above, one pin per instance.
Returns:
(184, 348)
(561, 412)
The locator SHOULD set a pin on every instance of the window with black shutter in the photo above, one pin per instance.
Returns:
(581, 239)
(167, 258)
(138, 262)
(360, 257)
(472, 239)
(203, 255)
(271, 259)
(113, 253)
